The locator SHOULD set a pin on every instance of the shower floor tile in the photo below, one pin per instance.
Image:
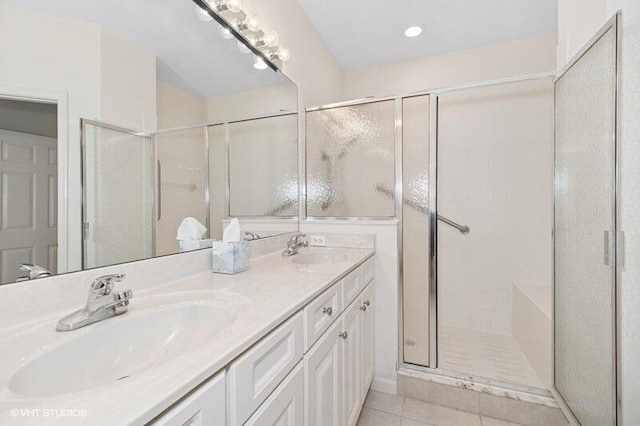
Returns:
(492, 356)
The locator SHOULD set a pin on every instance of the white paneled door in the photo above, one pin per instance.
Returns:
(28, 203)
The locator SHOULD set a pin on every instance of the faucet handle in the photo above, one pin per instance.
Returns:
(103, 285)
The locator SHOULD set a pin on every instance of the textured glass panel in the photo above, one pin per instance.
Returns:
(415, 222)
(583, 282)
(350, 161)
(263, 167)
(183, 183)
(118, 191)
(495, 174)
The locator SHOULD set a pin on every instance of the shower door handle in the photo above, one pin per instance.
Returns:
(609, 248)
(159, 189)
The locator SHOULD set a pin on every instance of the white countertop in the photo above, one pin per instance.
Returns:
(271, 291)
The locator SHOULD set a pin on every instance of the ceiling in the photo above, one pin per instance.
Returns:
(364, 33)
(191, 54)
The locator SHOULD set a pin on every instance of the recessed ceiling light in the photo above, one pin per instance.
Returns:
(413, 31)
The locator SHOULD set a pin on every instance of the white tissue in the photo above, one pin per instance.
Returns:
(231, 233)
(190, 229)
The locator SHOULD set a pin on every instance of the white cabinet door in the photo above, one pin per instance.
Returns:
(368, 339)
(285, 406)
(323, 380)
(204, 407)
(351, 351)
(254, 375)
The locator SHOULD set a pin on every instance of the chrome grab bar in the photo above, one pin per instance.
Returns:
(415, 205)
(464, 229)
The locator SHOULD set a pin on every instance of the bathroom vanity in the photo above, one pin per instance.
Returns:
(291, 340)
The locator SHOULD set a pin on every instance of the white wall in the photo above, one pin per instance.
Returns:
(69, 62)
(127, 84)
(524, 56)
(312, 66)
(252, 103)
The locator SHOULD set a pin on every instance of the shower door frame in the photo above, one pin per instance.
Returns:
(84, 122)
(432, 369)
(617, 235)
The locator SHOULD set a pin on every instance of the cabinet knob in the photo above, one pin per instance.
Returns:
(363, 308)
(367, 302)
(328, 311)
(343, 334)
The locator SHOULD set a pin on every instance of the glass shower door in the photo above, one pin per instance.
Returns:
(118, 195)
(584, 234)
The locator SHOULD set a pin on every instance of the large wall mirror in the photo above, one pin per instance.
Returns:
(119, 119)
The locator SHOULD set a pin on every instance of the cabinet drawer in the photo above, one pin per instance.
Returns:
(254, 375)
(285, 406)
(206, 406)
(368, 271)
(320, 314)
(351, 286)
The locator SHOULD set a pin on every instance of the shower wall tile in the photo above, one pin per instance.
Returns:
(495, 175)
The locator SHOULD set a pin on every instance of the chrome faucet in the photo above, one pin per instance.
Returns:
(34, 272)
(295, 243)
(101, 304)
(250, 236)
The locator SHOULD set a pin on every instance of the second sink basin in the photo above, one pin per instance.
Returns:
(120, 348)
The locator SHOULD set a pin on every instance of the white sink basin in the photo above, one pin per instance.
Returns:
(119, 348)
(318, 258)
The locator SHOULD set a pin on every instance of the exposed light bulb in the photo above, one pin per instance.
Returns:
(252, 22)
(203, 14)
(234, 5)
(284, 55)
(413, 31)
(270, 38)
(260, 64)
(243, 47)
(223, 5)
(225, 32)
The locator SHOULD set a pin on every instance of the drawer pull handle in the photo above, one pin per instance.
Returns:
(328, 311)
(343, 334)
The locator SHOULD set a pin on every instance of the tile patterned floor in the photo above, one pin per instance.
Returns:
(381, 409)
(485, 355)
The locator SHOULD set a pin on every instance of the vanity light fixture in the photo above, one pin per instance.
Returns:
(249, 23)
(225, 32)
(260, 64)
(279, 53)
(203, 14)
(218, 6)
(268, 39)
(413, 31)
(243, 47)
(246, 28)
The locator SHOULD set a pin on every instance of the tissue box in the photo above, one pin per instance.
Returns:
(229, 258)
